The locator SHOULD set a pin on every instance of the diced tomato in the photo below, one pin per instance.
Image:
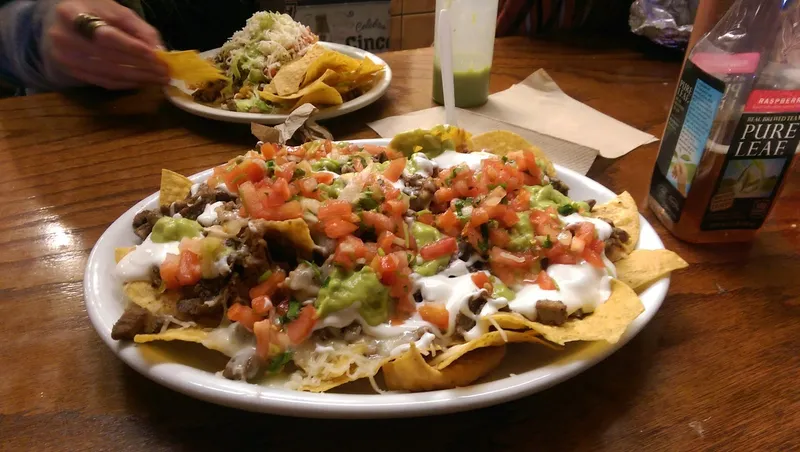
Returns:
(377, 221)
(254, 169)
(268, 287)
(479, 216)
(440, 248)
(323, 178)
(499, 237)
(388, 268)
(268, 339)
(436, 314)
(350, 249)
(261, 305)
(269, 150)
(522, 201)
(374, 149)
(300, 328)
(546, 222)
(559, 254)
(286, 171)
(189, 272)
(308, 187)
(444, 195)
(337, 228)
(169, 271)
(279, 193)
(482, 281)
(545, 281)
(504, 215)
(395, 169)
(475, 238)
(333, 209)
(426, 218)
(585, 232)
(243, 314)
(449, 223)
(592, 256)
(252, 200)
(386, 240)
(395, 207)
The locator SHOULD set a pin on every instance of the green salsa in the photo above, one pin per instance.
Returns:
(363, 286)
(471, 88)
(168, 229)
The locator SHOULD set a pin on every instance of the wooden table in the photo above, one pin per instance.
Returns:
(717, 368)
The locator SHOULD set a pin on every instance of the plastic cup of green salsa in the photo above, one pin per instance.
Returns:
(473, 30)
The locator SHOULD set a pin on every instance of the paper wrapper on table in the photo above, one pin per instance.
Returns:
(570, 132)
(298, 128)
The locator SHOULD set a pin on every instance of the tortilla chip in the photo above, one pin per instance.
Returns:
(315, 93)
(174, 187)
(192, 334)
(410, 372)
(322, 371)
(622, 211)
(329, 61)
(289, 77)
(491, 339)
(295, 231)
(606, 323)
(190, 67)
(119, 253)
(501, 142)
(644, 267)
(145, 295)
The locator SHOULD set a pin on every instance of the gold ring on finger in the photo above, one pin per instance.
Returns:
(87, 24)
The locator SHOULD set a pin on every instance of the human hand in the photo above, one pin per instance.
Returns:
(120, 55)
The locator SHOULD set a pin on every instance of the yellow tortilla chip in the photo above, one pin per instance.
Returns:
(410, 372)
(145, 295)
(119, 253)
(329, 61)
(606, 323)
(501, 142)
(196, 335)
(322, 371)
(190, 67)
(289, 77)
(174, 187)
(295, 231)
(622, 211)
(491, 339)
(315, 93)
(644, 267)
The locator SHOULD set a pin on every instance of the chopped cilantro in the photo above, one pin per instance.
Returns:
(504, 159)
(292, 313)
(298, 173)
(548, 243)
(265, 276)
(566, 209)
(278, 362)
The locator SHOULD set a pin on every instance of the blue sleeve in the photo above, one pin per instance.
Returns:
(21, 44)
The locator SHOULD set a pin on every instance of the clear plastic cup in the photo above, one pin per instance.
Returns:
(473, 45)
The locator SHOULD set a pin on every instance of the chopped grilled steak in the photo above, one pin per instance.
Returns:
(210, 91)
(551, 312)
(420, 188)
(244, 366)
(144, 221)
(464, 323)
(352, 332)
(615, 243)
(251, 256)
(195, 204)
(559, 186)
(303, 283)
(135, 320)
(579, 314)
(205, 313)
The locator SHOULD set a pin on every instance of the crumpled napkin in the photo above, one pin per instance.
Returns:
(570, 132)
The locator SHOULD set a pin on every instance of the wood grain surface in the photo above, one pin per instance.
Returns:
(717, 369)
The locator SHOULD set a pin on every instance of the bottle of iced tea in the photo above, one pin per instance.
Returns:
(734, 126)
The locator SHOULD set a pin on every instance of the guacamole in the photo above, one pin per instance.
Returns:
(500, 290)
(522, 234)
(168, 229)
(425, 235)
(364, 287)
(429, 142)
(546, 196)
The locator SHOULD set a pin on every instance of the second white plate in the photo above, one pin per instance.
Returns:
(183, 100)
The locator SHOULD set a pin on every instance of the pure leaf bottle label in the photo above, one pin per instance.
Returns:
(761, 152)
(693, 111)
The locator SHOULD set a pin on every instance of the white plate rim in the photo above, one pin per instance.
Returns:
(185, 102)
(209, 387)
